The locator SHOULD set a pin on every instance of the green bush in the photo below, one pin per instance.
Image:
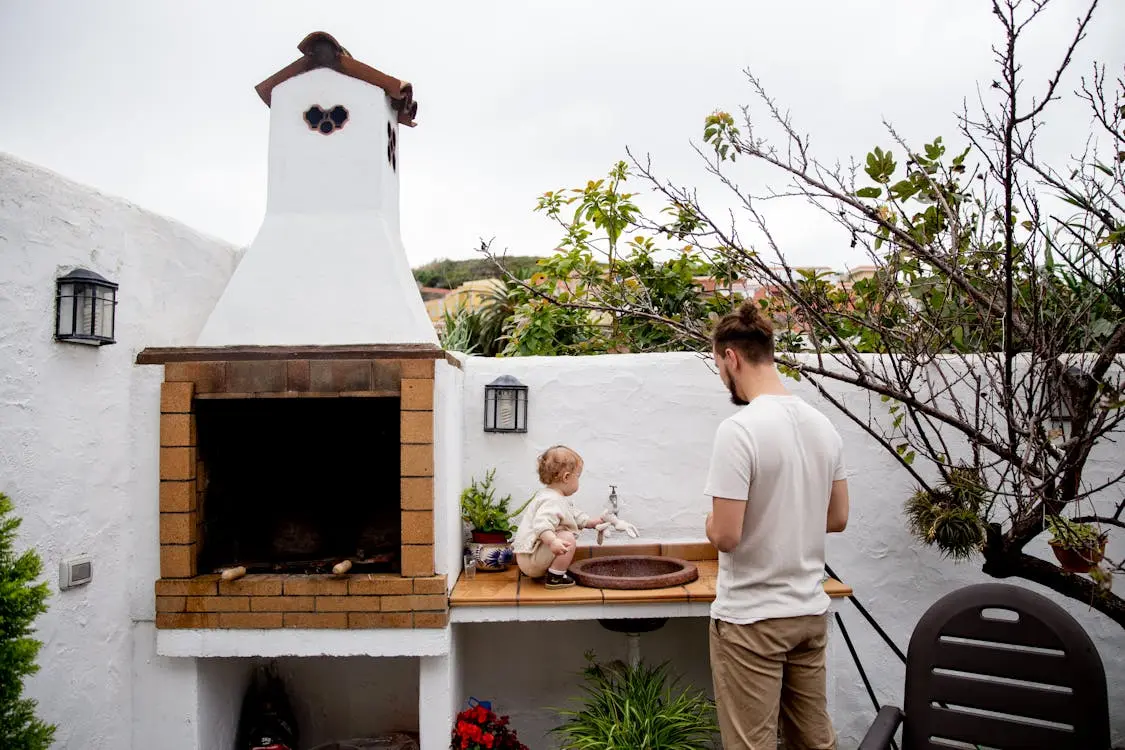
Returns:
(21, 601)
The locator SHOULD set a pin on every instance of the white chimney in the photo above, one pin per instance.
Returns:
(328, 265)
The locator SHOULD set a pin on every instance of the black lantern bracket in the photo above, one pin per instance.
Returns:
(505, 405)
(85, 308)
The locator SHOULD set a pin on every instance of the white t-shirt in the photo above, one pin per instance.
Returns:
(781, 455)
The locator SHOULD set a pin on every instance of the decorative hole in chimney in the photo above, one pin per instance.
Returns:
(326, 122)
(392, 147)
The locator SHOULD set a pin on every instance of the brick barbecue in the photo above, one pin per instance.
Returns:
(297, 437)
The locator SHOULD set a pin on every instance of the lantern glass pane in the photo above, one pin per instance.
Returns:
(506, 410)
(103, 321)
(521, 412)
(489, 409)
(66, 310)
(85, 303)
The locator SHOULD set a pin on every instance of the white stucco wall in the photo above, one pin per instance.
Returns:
(448, 461)
(78, 438)
(645, 423)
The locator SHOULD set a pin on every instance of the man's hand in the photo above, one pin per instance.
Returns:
(559, 547)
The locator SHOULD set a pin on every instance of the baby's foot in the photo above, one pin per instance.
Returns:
(558, 581)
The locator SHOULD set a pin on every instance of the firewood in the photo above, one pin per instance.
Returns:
(232, 574)
(342, 567)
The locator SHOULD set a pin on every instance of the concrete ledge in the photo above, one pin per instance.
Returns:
(564, 612)
(219, 642)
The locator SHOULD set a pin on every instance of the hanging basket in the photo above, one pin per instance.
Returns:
(1078, 560)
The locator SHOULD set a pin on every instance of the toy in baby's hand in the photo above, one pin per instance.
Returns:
(610, 522)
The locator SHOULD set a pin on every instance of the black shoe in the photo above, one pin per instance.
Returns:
(556, 581)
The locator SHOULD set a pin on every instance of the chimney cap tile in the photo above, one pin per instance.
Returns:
(321, 50)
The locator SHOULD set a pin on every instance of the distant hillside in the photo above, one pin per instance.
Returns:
(450, 274)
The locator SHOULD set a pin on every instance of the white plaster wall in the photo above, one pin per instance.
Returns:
(165, 697)
(328, 265)
(340, 697)
(221, 687)
(646, 422)
(78, 435)
(449, 382)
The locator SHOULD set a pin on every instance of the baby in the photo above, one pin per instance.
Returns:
(548, 531)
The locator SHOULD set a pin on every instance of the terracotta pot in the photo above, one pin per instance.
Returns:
(1078, 561)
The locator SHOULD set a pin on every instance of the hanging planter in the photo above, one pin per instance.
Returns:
(1078, 547)
(1079, 560)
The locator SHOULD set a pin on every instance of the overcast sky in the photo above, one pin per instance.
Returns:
(153, 100)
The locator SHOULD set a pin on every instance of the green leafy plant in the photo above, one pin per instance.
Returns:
(21, 601)
(483, 512)
(637, 708)
(457, 331)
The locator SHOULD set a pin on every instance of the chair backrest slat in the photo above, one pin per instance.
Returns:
(1030, 700)
(1048, 669)
(1002, 666)
(999, 732)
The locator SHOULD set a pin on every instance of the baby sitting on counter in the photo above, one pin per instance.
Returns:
(547, 535)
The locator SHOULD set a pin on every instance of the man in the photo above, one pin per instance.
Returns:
(777, 485)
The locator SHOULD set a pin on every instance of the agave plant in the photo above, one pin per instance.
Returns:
(637, 708)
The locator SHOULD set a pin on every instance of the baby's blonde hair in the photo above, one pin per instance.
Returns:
(556, 461)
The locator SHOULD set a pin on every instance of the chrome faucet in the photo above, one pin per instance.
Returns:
(613, 498)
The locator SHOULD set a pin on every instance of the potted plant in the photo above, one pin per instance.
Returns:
(629, 707)
(1078, 546)
(489, 522)
(479, 728)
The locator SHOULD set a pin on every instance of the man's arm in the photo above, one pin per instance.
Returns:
(838, 506)
(724, 523)
(728, 484)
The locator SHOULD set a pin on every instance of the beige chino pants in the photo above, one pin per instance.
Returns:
(769, 670)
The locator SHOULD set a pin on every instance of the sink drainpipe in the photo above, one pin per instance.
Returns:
(634, 641)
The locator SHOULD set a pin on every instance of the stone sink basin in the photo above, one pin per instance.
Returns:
(633, 572)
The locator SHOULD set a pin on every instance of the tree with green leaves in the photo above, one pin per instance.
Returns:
(21, 601)
(995, 307)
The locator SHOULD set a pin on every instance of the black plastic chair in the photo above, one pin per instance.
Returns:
(998, 666)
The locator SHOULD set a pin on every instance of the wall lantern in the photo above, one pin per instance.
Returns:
(1061, 395)
(85, 306)
(505, 405)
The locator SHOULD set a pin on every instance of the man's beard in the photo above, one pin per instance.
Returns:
(734, 397)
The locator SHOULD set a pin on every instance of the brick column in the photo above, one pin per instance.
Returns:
(417, 467)
(179, 532)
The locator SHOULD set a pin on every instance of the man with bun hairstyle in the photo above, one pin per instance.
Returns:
(777, 483)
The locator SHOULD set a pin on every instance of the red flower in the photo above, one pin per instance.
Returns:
(478, 728)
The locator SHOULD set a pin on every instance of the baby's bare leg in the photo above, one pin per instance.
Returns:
(563, 561)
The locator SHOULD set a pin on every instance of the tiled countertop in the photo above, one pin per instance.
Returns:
(512, 589)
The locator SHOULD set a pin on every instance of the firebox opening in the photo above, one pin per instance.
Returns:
(299, 485)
